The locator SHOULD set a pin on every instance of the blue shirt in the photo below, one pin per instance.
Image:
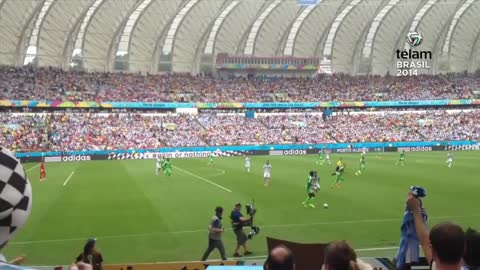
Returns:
(236, 215)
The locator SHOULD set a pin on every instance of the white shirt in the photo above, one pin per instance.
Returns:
(267, 168)
(247, 162)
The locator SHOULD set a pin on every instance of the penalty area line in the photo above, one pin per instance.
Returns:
(203, 179)
(29, 169)
(68, 179)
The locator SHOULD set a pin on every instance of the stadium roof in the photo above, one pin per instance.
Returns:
(360, 36)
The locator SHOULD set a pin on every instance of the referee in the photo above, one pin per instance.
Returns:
(215, 231)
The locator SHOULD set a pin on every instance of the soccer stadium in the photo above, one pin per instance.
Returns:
(239, 134)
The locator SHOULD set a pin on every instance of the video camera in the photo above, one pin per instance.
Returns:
(251, 211)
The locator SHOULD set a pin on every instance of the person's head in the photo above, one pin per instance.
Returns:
(448, 243)
(89, 247)
(312, 173)
(238, 206)
(280, 258)
(268, 162)
(471, 256)
(339, 255)
(219, 211)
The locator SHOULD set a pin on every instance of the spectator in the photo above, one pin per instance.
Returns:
(339, 255)
(15, 201)
(445, 244)
(90, 255)
(61, 85)
(471, 258)
(280, 258)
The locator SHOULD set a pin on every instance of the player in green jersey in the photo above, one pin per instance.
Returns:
(320, 157)
(401, 160)
(363, 164)
(167, 167)
(210, 159)
(159, 165)
(313, 186)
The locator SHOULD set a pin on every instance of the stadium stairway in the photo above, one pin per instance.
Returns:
(204, 128)
(421, 135)
(332, 137)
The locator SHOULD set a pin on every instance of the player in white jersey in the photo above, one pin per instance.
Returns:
(247, 164)
(159, 165)
(327, 157)
(267, 168)
(450, 159)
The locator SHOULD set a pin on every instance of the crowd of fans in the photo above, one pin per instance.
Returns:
(107, 131)
(55, 84)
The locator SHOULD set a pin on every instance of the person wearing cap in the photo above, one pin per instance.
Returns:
(238, 221)
(408, 251)
(90, 255)
(215, 232)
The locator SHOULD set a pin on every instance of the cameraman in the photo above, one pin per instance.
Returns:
(238, 221)
(215, 231)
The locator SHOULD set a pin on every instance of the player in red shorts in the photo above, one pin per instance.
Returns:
(43, 174)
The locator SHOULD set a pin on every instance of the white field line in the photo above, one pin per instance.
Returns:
(201, 178)
(221, 172)
(229, 229)
(68, 179)
(29, 169)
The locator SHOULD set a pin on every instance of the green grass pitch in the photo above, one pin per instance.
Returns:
(140, 217)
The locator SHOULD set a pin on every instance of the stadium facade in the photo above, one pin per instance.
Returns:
(355, 36)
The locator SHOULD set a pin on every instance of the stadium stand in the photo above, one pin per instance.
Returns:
(109, 131)
(55, 84)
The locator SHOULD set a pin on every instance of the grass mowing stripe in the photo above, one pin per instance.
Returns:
(229, 229)
(68, 179)
(201, 178)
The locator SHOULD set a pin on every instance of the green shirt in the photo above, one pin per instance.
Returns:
(167, 164)
(362, 160)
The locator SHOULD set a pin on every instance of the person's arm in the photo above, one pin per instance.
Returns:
(240, 217)
(422, 232)
(243, 219)
(216, 227)
(18, 260)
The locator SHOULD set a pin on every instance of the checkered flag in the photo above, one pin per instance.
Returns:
(15, 196)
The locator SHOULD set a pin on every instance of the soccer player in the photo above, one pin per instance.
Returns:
(450, 159)
(210, 159)
(159, 165)
(43, 173)
(167, 167)
(267, 168)
(247, 164)
(327, 157)
(339, 170)
(401, 160)
(320, 157)
(363, 164)
(313, 186)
